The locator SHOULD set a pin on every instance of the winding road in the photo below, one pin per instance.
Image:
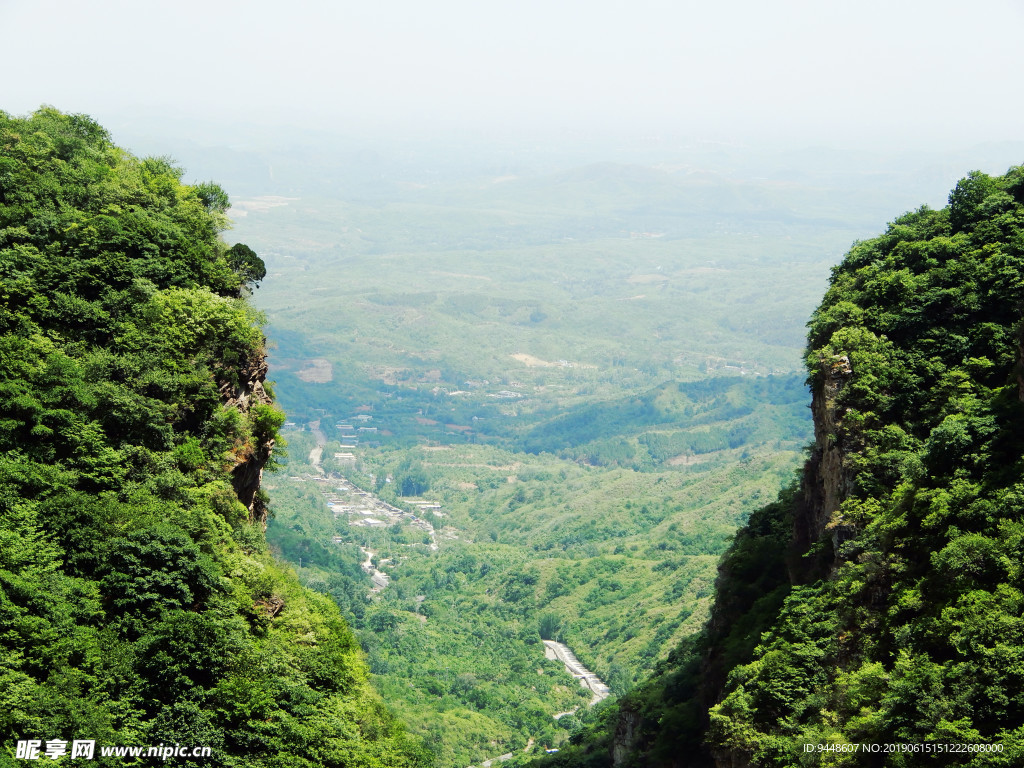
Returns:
(317, 452)
(379, 578)
(562, 652)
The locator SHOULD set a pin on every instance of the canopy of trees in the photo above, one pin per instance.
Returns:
(138, 603)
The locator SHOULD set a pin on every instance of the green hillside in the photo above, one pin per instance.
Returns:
(880, 602)
(139, 605)
(524, 541)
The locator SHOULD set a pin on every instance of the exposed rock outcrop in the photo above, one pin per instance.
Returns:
(731, 759)
(627, 730)
(247, 472)
(827, 480)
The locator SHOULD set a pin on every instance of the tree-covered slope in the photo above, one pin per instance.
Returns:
(138, 602)
(882, 601)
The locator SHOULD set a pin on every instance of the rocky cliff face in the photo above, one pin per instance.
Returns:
(627, 731)
(827, 477)
(247, 472)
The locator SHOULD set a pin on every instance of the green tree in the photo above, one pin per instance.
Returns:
(247, 265)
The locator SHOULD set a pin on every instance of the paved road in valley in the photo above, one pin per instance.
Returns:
(587, 679)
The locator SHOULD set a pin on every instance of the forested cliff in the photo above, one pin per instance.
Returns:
(138, 602)
(879, 601)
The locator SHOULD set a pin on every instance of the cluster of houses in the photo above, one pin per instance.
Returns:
(366, 510)
(349, 438)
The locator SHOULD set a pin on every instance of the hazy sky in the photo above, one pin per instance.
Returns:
(816, 70)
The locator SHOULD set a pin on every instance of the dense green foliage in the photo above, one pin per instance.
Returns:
(918, 635)
(904, 622)
(618, 564)
(138, 602)
(667, 713)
